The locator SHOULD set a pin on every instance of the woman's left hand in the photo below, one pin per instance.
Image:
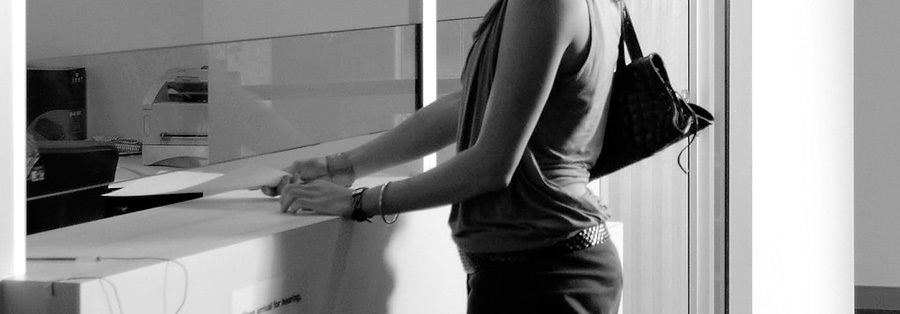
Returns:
(320, 196)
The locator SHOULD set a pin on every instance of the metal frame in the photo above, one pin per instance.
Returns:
(708, 186)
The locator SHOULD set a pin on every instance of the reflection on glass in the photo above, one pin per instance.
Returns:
(454, 39)
(271, 95)
(176, 108)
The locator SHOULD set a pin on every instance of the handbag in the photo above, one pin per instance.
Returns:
(645, 114)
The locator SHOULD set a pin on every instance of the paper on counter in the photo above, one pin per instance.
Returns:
(247, 177)
(244, 178)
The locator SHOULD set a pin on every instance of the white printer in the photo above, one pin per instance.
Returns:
(176, 119)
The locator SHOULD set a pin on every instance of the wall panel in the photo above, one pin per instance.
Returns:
(877, 173)
(651, 197)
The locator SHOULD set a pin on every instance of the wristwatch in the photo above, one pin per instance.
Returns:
(358, 214)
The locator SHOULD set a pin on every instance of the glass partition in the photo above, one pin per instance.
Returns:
(181, 107)
(454, 38)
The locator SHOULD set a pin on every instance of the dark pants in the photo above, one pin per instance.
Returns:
(585, 281)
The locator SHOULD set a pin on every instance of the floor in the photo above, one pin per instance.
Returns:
(861, 311)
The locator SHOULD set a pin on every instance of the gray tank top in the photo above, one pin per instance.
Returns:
(534, 211)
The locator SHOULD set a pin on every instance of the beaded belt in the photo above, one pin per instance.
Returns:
(583, 239)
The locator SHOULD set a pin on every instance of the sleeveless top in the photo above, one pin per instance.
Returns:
(534, 211)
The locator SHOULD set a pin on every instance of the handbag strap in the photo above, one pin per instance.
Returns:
(628, 38)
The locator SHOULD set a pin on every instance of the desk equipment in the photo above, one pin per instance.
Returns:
(66, 182)
(176, 118)
(57, 103)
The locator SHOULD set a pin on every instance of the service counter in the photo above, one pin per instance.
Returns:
(229, 253)
(237, 253)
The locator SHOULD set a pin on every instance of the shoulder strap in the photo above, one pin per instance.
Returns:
(628, 39)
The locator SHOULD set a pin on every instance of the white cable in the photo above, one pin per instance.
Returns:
(116, 290)
(183, 269)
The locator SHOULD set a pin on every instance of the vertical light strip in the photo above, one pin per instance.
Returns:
(15, 98)
(18, 125)
(7, 235)
(429, 63)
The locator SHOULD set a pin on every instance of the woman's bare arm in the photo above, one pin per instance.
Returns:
(536, 35)
(428, 130)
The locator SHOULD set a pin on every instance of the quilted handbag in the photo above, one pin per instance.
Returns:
(645, 114)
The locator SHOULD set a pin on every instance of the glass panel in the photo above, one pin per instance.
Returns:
(454, 38)
(182, 107)
(291, 92)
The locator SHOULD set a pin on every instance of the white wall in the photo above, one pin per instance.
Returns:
(802, 156)
(877, 147)
(12, 118)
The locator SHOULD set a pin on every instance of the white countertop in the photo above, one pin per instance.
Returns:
(177, 230)
(169, 232)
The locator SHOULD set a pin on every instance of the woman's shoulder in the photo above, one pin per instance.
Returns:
(568, 17)
(562, 10)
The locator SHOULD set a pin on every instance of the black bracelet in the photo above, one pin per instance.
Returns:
(358, 214)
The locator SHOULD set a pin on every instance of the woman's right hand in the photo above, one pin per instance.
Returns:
(304, 170)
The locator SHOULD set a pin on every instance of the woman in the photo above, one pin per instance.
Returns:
(528, 125)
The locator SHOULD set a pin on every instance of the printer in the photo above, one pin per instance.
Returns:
(176, 119)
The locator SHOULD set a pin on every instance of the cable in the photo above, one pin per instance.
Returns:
(115, 290)
(692, 123)
(691, 139)
(183, 270)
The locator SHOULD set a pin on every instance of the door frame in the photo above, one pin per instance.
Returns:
(708, 232)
